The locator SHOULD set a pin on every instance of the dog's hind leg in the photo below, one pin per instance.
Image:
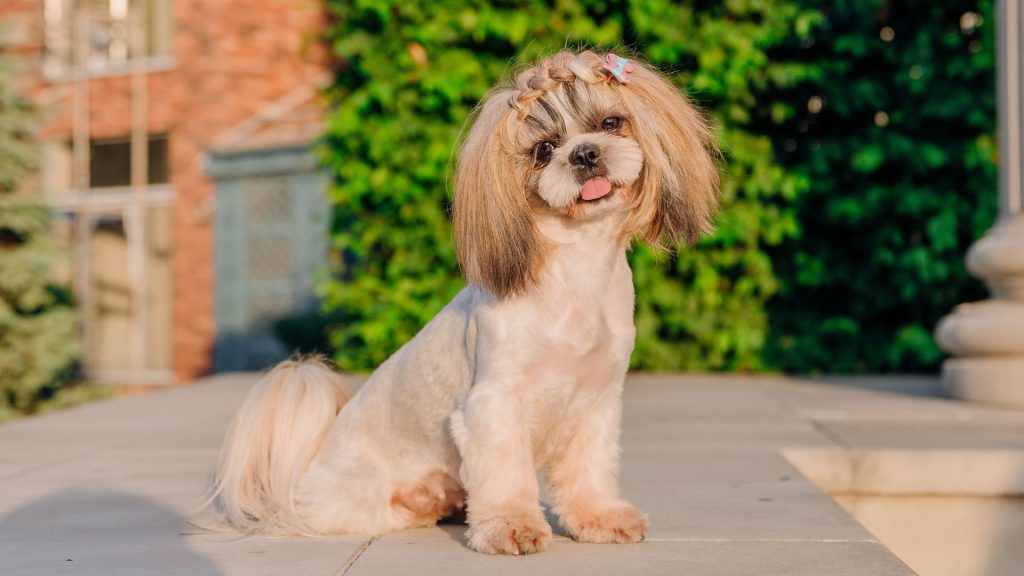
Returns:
(351, 499)
(433, 498)
(358, 500)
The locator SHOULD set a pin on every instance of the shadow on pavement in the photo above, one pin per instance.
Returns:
(97, 532)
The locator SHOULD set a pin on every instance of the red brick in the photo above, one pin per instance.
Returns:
(232, 58)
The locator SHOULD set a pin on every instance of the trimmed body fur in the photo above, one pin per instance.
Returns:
(524, 369)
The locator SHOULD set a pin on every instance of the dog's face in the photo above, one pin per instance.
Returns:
(578, 151)
(570, 140)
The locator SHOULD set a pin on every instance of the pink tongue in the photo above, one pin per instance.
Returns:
(595, 188)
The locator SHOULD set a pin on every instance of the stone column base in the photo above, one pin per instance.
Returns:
(987, 338)
(981, 379)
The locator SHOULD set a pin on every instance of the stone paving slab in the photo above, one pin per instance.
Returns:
(110, 488)
(400, 554)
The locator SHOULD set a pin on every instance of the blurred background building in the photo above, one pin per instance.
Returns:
(162, 122)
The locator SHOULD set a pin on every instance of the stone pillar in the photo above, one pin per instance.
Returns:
(987, 338)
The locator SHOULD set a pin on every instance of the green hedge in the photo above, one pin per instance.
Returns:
(767, 290)
(410, 73)
(901, 172)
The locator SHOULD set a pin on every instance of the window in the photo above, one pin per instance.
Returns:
(107, 29)
(110, 162)
(119, 261)
(110, 167)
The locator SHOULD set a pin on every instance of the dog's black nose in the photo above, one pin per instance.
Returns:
(585, 155)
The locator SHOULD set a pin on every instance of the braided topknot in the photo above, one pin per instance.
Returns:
(562, 68)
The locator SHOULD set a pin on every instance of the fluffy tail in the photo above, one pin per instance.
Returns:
(275, 436)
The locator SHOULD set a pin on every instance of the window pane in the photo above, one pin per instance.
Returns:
(158, 160)
(159, 22)
(57, 34)
(108, 26)
(110, 162)
(159, 279)
(110, 309)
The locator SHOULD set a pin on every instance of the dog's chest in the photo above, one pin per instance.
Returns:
(577, 333)
(592, 321)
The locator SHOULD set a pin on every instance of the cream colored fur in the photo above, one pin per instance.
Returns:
(524, 369)
(276, 434)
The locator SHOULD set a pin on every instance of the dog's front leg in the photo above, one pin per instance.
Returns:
(583, 478)
(498, 472)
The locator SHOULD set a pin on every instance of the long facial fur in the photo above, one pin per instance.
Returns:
(661, 163)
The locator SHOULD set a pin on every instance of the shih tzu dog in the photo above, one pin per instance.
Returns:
(523, 371)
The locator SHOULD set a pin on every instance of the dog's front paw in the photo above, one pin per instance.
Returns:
(509, 533)
(620, 524)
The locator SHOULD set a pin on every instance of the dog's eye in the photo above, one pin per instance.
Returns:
(542, 151)
(611, 123)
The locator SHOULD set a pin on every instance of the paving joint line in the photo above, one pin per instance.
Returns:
(831, 435)
(771, 540)
(355, 556)
(33, 468)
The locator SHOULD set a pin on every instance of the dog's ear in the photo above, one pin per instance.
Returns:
(496, 237)
(676, 196)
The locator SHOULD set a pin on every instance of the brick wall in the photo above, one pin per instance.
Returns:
(231, 59)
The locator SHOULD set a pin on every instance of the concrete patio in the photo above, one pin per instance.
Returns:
(110, 488)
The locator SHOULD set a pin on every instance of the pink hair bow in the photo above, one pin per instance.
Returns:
(619, 67)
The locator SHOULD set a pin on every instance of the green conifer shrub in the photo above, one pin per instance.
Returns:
(38, 345)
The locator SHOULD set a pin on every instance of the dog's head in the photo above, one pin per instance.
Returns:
(579, 136)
